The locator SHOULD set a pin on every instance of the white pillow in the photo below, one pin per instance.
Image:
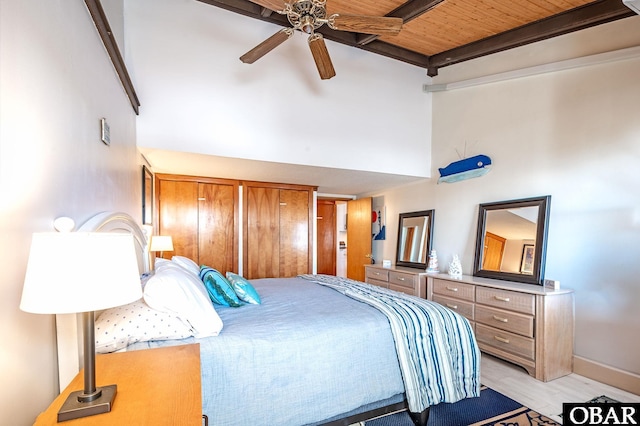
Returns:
(174, 290)
(187, 264)
(160, 261)
(118, 327)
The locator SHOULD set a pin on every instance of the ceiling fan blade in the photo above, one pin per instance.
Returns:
(366, 24)
(321, 56)
(275, 5)
(266, 46)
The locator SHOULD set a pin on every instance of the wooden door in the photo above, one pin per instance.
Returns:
(493, 251)
(217, 241)
(178, 216)
(294, 232)
(262, 254)
(326, 226)
(358, 237)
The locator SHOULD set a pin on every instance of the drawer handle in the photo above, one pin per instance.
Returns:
(497, 318)
(400, 279)
(452, 306)
(502, 299)
(452, 288)
(501, 339)
(377, 273)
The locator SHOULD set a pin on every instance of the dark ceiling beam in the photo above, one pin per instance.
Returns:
(592, 14)
(106, 35)
(408, 11)
(252, 10)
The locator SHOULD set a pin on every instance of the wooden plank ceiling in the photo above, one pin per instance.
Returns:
(438, 33)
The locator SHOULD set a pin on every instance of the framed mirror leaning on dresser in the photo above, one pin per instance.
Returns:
(511, 240)
(415, 230)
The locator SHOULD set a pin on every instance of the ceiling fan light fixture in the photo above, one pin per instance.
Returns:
(307, 24)
(309, 15)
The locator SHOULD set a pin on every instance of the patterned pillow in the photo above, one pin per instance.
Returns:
(243, 289)
(119, 327)
(220, 290)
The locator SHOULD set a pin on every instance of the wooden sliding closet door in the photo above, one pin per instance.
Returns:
(216, 219)
(294, 232)
(263, 232)
(277, 230)
(178, 216)
(201, 216)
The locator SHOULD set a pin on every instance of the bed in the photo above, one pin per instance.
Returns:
(315, 350)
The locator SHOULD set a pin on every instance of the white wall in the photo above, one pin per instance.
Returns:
(199, 97)
(56, 82)
(574, 135)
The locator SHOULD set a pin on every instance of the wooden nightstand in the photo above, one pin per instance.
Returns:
(155, 387)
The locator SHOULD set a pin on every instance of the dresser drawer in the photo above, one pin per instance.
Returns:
(509, 342)
(505, 320)
(505, 299)
(463, 308)
(402, 279)
(379, 283)
(377, 274)
(454, 289)
(402, 289)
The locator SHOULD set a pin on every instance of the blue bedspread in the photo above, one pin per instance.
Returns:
(438, 354)
(306, 354)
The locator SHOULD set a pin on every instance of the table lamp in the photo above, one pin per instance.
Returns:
(73, 272)
(161, 243)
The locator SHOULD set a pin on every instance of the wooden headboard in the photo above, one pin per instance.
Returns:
(68, 326)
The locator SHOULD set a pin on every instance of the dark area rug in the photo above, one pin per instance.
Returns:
(491, 408)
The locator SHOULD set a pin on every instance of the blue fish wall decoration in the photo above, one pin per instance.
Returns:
(465, 169)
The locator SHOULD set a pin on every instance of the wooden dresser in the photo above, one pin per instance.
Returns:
(526, 324)
(406, 280)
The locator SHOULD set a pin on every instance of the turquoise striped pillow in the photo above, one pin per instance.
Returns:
(220, 290)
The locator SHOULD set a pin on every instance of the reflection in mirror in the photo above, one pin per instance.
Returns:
(414, 239)
(511, 240)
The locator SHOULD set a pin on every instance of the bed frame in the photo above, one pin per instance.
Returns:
(69, 334)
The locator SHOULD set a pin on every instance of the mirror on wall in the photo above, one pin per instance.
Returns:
(511, 240)
(415, 232)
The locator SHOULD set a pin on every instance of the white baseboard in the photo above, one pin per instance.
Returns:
(611, 376)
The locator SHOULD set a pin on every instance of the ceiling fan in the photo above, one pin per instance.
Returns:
(309, 15)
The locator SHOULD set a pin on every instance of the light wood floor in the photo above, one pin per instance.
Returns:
(545, 398)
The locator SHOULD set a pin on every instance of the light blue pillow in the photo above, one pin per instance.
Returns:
(243, 289)
(220, 290)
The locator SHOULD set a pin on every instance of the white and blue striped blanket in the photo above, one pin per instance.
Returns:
(437, 351)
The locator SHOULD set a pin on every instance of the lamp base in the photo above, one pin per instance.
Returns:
(74, 409)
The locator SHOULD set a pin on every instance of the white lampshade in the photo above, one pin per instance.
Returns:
(73, 272)
(161, 243)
